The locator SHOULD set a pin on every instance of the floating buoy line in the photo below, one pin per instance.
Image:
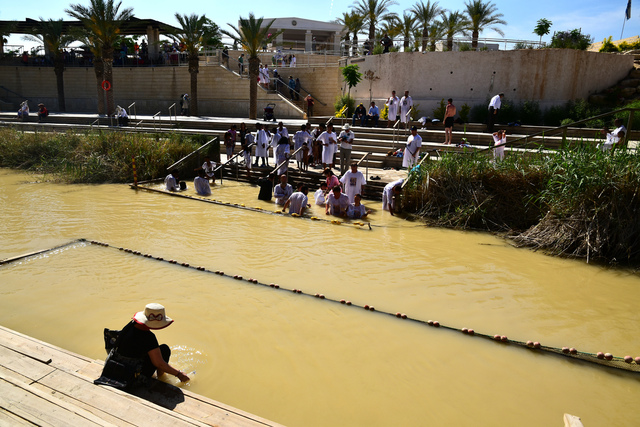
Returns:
(358, 224)
(627, 363)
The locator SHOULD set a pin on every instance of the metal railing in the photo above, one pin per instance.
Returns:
(286, 161)
(197, 150)
(365, 157)
(154, 120)
(564, 129)
(135, 114)
(219, 168)
(175, 114)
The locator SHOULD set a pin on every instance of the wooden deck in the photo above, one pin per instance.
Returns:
(41, 384)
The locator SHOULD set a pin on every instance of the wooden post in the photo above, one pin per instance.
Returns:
(135, 174)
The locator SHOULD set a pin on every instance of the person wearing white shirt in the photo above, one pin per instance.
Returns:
(209, 168)
(320, 195)
(392, 105)
(328, 139)
(346, 144)
(406, 103)
(356, 210)
(494, 107)
(282, 191)
(412, 150)
(499, 139)
(299, 139)
(262, 146)
(201, 184)
(297, 203)
(353, 181)
(616, 137)
(389, 194)
(171, 182)
(337, 203)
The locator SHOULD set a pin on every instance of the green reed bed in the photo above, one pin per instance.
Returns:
(577, 202)
(93, 157)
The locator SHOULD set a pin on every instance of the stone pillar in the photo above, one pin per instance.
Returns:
(336, 42)
(153, 40)
(308, 37)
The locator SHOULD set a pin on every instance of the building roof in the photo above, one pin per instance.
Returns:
(293, 23)
(133, 26)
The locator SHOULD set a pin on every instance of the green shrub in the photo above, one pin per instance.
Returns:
(464, 112)
(438, 112)
(608, 46)
(347, 100)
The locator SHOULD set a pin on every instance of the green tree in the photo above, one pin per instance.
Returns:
(406, 28)
(373, 12)
(482, 16)
(354, 23)
(453, 23)
(573, 39)
(542, 28)
(251, 35)
(103, 20)
(351, 76)
(425, 15)
(193, 32)
(95, 48)
(53, 36)
(436, 32)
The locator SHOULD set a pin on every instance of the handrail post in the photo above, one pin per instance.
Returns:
(135, 114)
(629, 124)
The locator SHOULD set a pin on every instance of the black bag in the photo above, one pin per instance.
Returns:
(265, 189)
(120, 371)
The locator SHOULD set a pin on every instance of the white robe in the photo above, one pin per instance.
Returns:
(498, 153)
(405, 106)
(298, 140)
(413, 146)
(392, 103)
(329, 146)
(262, 144)
(387, 194)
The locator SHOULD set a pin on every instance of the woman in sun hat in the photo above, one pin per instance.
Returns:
(137, 341)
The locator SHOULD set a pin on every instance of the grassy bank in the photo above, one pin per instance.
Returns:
(579, 202)
(95, 157)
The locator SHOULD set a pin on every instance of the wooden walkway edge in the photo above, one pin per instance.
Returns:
(41, 384)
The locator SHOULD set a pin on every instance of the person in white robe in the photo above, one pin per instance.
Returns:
(389, 193)
(262, 146)
(329, 140)
(406, 103)
(299, 139)
(392, 105)
(499, 139)
(412, 150)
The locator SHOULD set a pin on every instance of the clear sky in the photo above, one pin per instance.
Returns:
(598, 18)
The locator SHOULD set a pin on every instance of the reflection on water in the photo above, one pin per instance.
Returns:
(306, 362)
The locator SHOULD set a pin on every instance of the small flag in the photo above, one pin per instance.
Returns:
(627, 13)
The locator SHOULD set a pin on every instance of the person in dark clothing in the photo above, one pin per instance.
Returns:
(137, 341)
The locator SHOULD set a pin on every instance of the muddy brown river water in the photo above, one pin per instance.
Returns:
(302, 361)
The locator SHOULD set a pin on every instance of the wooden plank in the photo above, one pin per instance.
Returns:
(61, 359)
(30, 404)
(119, 404)
(9, 419)
(25, 366)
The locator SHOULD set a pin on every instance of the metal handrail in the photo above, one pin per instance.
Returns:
(366, 156)
(192, 153)
(154, 120)
(139, 123)
(219, 168)
(286, 161)
(175, 113)
(393, 140)
(565, 127)
(94, 122)
(135, 114)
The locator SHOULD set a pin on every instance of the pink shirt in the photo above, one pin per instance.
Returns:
(332, 181)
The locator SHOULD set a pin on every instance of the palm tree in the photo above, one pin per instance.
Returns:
(406, 28)
(103, 21)
(482, 15)
(374, 11)
(436, 32)
(193, 33)
(52, 35)
(252, 36)
(98, 68)
(425, 14)
(453, 23)
(353, 23)
(542, 28)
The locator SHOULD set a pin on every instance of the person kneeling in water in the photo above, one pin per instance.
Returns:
(136, 342)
